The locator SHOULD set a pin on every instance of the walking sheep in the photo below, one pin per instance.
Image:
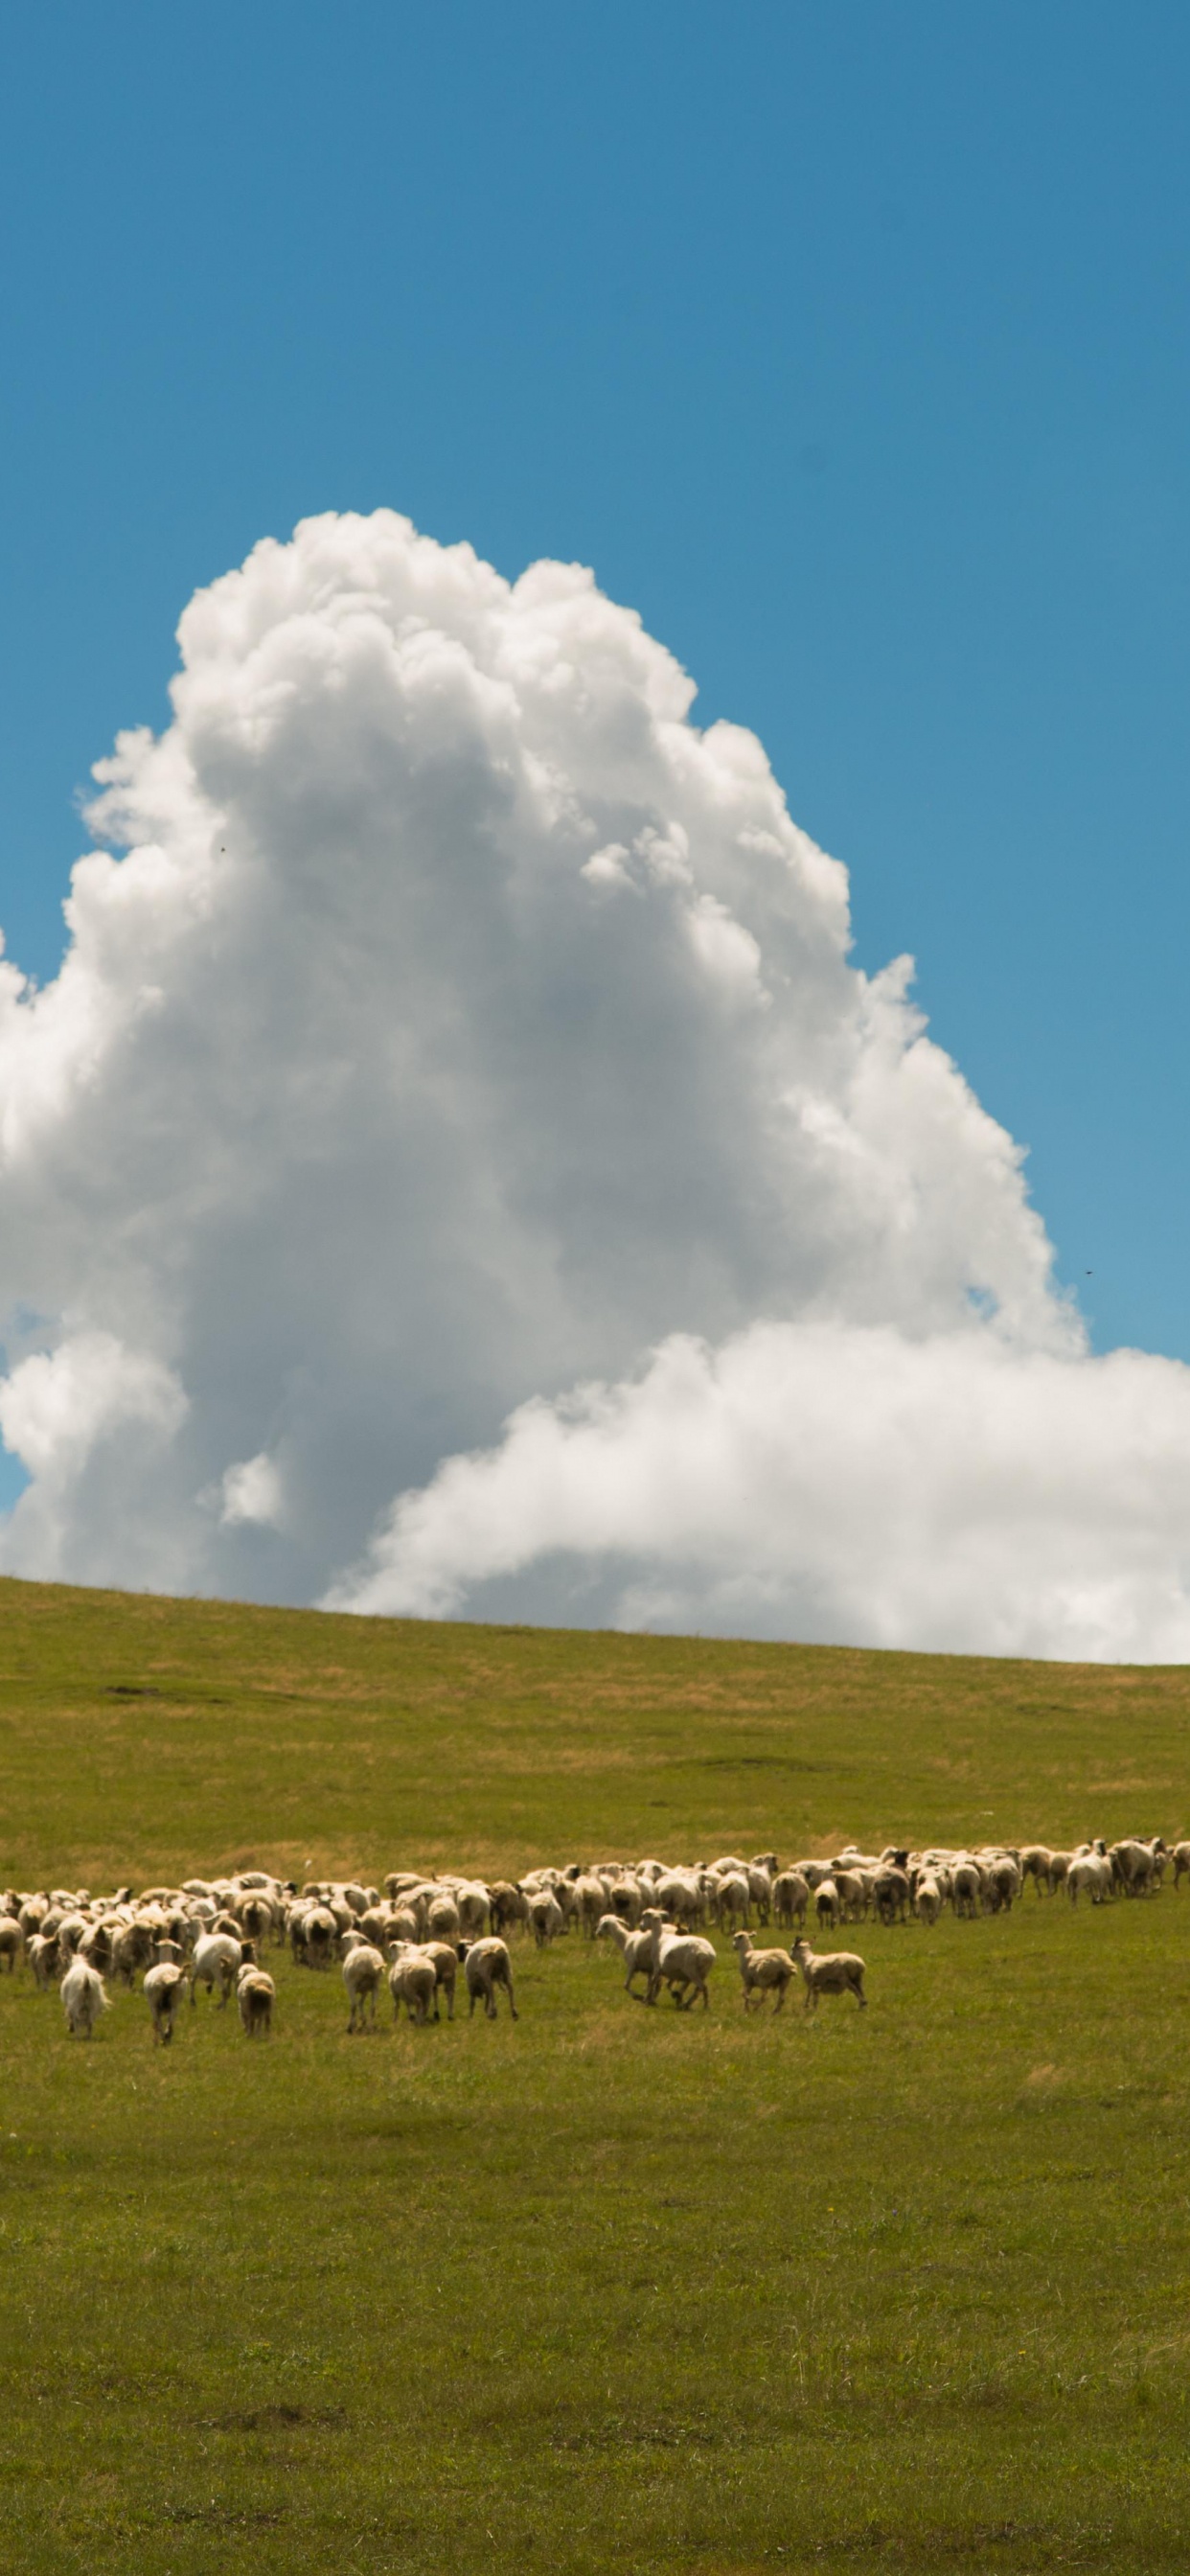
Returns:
(829, 1972)
(763, 1971)
(84, 1998)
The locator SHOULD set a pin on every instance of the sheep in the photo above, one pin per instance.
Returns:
(637, 1948)
(680, 1895)
(217, 1960)
(486, 1965)
(474, 1904)
(12, 1941)
(826, 1903)
(927, 1898)
(444, 1960)
(732, 1898)
(831, 1972)
(1090, 1874)
(1035, 1864)
(890, 1892)
(255, 1994)
(163, 1993)
(679, 1960)
(1003, 1884)
(589, 1899)
(546, 1917)
(761, 1969)
(1181, 1864)
(791, 1896)
(507, 1904)
(363, 1969)
(84, 1998)
(442, 1917)
(968, 1889)
(412, 1981)
(42, 1955)
(853, 1887)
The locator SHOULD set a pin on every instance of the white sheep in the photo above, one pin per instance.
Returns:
(216, 1962)
(791, 1896)
(164, 1987)
(826, 1904)
(84, 1998)
(412, 1981)
(763, 1971)
(255, 1994)
(363, 1972)
(829, 1972)
(927, 1898)
(486, 1965)
(636, 1947)
(681, 1960)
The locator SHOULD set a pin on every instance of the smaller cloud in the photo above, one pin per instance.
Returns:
(58, 1405)
(252, 1491)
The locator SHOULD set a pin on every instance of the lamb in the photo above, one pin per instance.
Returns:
(164, 1987)
(831, 1972)
(762, 1969)
(84, 1998)
(217, 1961)
(363, 1969)
(637, 1948)
(680, 1960)
(255, 1994)
(486, 1965)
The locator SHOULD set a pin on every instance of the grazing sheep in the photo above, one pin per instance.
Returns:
(442, 1918)
(363, 1971)
(486, 1965)
(164, 1987)
(761, 1971)
(1035, 1864)
(831, 1972)
(83, 1998)
(637, 1948)
(1181, 1864)
(12, 1941)
(826, 1903)
(927, 1898)
(255, 1994)
(680, 1960)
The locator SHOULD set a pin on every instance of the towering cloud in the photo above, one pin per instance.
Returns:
(458, 1166)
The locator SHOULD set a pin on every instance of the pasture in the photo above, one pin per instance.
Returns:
(612, 2289)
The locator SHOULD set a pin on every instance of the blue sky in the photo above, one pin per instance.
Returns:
(848, 345)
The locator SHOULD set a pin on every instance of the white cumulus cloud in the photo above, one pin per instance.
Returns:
(449, 1028)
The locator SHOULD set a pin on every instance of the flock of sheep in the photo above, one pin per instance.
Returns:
(211, 1933)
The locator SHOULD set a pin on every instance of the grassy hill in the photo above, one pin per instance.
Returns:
(612, 2289)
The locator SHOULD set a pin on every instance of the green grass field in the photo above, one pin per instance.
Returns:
(613, 2289)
